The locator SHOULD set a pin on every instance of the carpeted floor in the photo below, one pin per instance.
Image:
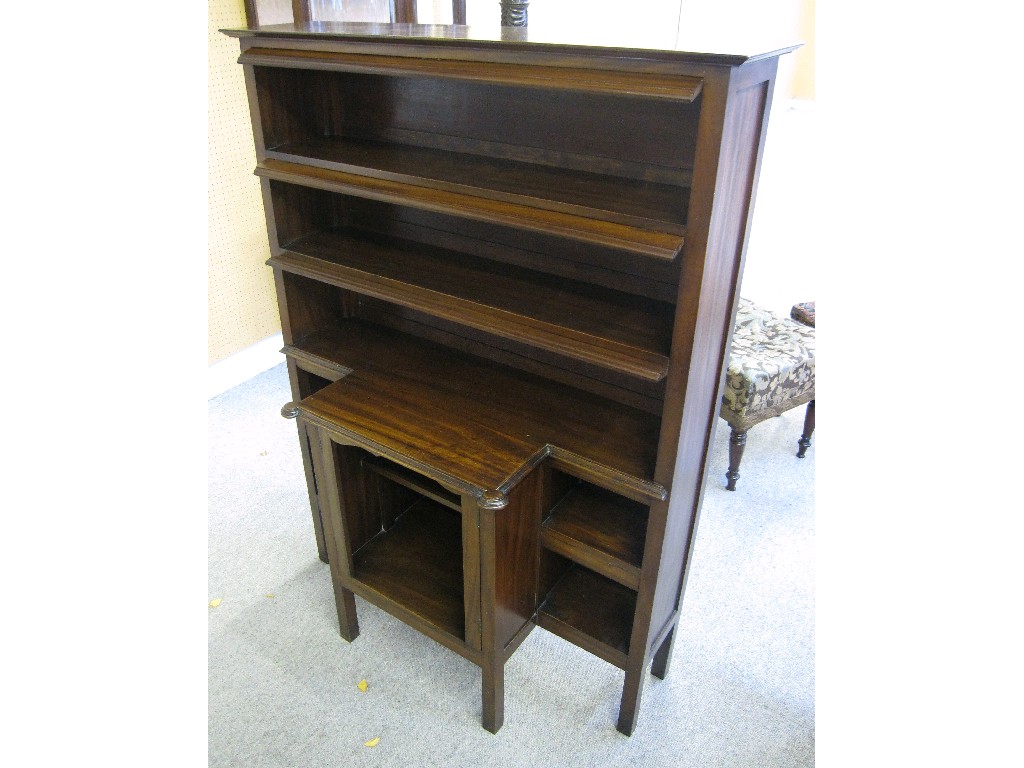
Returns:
(283, 684)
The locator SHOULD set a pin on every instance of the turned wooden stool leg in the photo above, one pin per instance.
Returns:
(737, 442)
(805, 439)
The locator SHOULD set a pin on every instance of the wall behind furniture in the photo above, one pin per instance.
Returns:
(783, 21)
(241, 304)
(796, 71)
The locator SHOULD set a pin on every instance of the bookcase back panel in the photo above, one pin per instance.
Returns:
(589, 378)
(313, 305)
(583, 262)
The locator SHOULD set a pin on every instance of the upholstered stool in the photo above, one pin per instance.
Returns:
(803, 313)
(771, 370)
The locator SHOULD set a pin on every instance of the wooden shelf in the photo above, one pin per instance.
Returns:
(417, 564)
(591, 612)
(600, 530)
(679, 88)
(656, 244)
(477, 422)
(413, 481)
(641, 204)
(626, 334)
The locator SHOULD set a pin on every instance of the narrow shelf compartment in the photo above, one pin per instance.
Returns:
(591, 612)
(413, 481)
(476, 422)
(621, 332)
(656, 244)
(600, 530)
(417, 564)
(631, 202)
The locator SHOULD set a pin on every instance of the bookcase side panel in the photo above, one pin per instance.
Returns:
(709, 291)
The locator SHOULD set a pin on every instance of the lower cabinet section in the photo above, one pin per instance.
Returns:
(590, 611)
(472, 567)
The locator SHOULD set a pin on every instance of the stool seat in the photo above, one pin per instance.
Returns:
(803, 313)
(771, 370)
(771, 366)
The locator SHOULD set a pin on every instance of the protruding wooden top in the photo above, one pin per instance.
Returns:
(475, 426)
(703, 44)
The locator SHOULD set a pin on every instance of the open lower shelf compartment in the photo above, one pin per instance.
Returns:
(591, 612)
(623, 333)
(417, 564)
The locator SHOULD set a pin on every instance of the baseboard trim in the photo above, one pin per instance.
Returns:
(242, 366)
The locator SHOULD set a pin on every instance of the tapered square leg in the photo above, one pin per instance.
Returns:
(348, 623)
(632, 689)
(659, 667)
(339, 560)
(493, 697)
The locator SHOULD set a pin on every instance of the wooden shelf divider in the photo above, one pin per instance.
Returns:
(415, 482)
(599, 530)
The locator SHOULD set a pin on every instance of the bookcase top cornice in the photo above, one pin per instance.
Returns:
(697, 45)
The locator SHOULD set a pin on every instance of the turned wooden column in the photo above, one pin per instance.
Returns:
(514, 13)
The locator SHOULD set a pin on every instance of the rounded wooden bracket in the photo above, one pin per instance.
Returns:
(492, 500)
(290, 410)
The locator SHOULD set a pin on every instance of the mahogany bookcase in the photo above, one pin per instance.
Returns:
(507, 267)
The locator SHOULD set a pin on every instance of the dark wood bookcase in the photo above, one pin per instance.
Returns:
(507, 271)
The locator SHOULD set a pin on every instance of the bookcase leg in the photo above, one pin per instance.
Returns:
(659, 667)
(322, 455)
(492, 667)
(493, 696)
(348, 622)
(632, 689)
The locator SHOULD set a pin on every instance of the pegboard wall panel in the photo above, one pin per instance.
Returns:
(241, 303)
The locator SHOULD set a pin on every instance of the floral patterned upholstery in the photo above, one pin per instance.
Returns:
(771, 367)
(803, 313)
